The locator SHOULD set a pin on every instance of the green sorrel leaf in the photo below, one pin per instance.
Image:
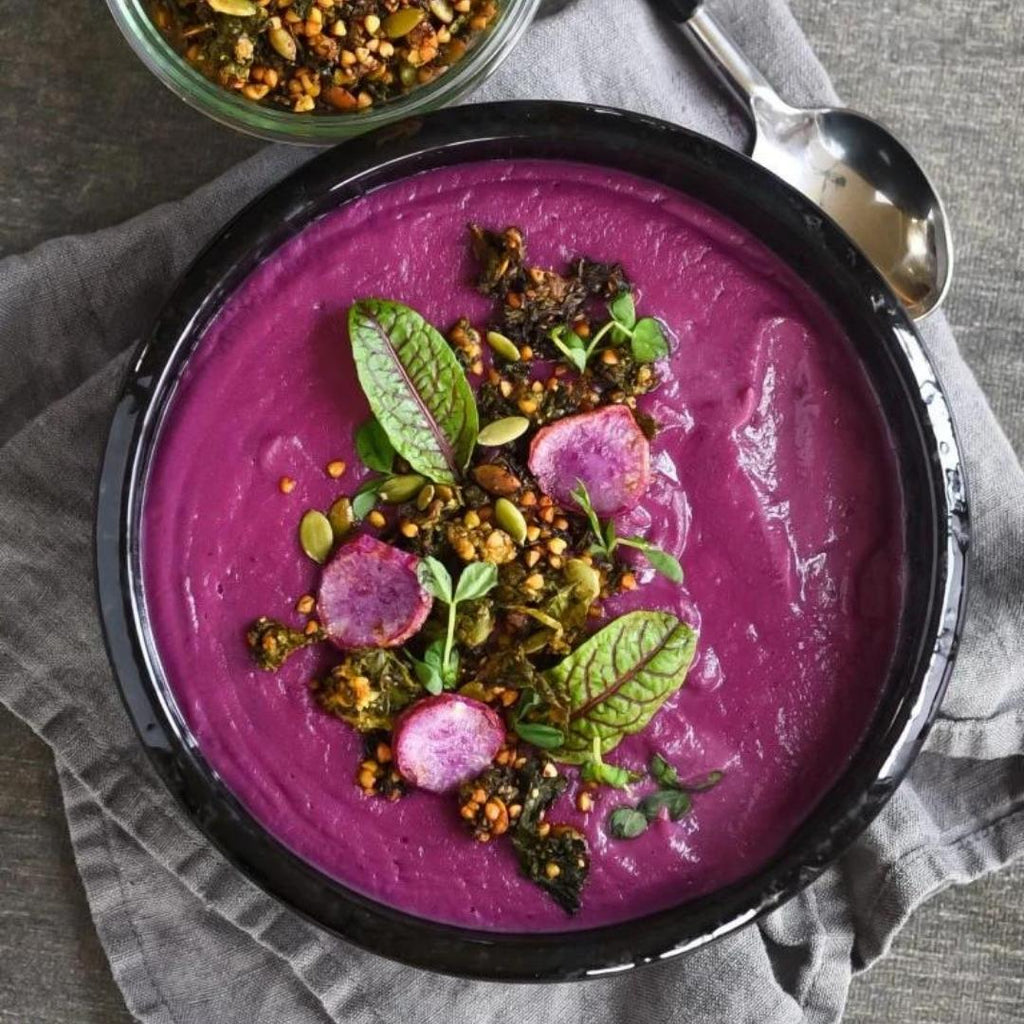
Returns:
(415, 387)
(615, 682)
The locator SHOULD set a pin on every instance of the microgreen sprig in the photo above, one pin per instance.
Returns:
(646, 336)
(440, 665)
(606, 539)
(673, 795)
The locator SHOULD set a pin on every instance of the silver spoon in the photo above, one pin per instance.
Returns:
(848, 164)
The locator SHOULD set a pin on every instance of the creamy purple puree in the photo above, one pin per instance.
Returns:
(773, 481)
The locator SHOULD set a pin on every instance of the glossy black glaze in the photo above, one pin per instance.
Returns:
(936, 522)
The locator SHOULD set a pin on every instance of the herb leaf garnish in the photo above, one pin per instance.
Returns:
(545, 737)
(667, 777)
(415, 386)
(647, 342)
(668, 565)
(672, 795)
(613, 684)
(606, 539)
(366, 496)
(663, 773)
(626, 823)
(596, 770)
(433, 672)
(440, 665)
(374, 448)
(572, 346)
(623, 310)
(541, 734)
(646, 337)
(675, 801)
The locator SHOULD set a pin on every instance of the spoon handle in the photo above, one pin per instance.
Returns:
(722, 55)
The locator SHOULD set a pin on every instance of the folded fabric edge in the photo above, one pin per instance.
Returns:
(925, 872)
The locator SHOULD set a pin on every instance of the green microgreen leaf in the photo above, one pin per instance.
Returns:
(428, 675)
(663, 773)
(571, 345)
(602, 774)
(623, 310)
(667, 777)
(626, 823)
(477, 579)
(365, 497)
(668, 565)
(435, 578)
(434, 672)
(581, 496)
(611, 536)
(676, 801)
(599, 772)
(648, 342)
(709, 781)
(607, 539)
(546, 737)
(374, 448)
(441, 659)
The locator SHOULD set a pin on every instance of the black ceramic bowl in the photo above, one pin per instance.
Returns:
(917, 412)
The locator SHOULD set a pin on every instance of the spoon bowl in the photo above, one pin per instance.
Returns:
(854, 168)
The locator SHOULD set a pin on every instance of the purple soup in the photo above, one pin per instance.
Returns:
(773, 481)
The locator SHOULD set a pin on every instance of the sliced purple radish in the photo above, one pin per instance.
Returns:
(370, 595)
(442, 741)
(605, 449)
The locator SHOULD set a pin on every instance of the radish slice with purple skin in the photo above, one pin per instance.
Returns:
(605, 449)
(441, 742)
(370, 595)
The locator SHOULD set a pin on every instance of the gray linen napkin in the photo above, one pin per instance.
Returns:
(189, 939)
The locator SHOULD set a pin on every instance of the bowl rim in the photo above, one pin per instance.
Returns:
(234, 111)
(648, 148)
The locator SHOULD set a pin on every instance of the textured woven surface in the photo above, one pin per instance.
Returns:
(948, 75)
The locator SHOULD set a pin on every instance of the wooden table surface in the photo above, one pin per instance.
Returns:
(100, 143)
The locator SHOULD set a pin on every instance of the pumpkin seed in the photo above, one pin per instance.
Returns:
(316, 536)
(585, 578)
(510, 519)
(404, 487)
(442, 10)
(236, 8)
(537, 641)
(402, 22)
(425, 497)
(502, 431)
(407, 73)
(283, 43)
(504, 347)
(341, 517)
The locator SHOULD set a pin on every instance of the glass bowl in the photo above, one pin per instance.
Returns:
(235, 111)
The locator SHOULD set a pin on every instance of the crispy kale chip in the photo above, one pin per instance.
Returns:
(514, 798)
(367, 689)
(272, 642)
(536, 300)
